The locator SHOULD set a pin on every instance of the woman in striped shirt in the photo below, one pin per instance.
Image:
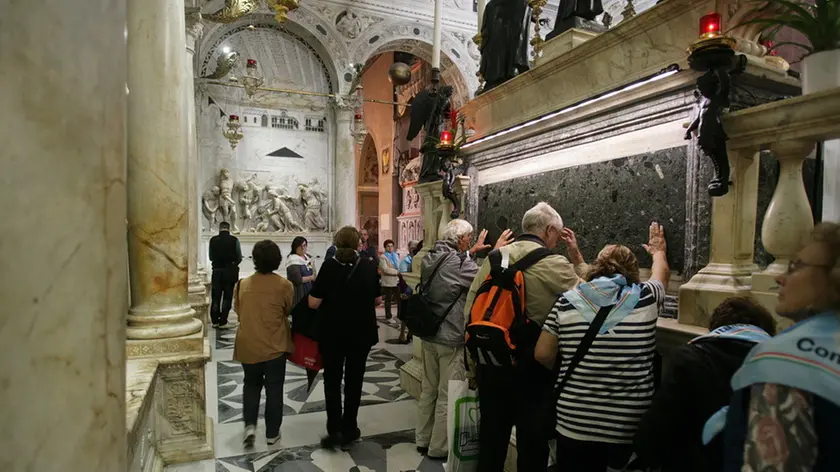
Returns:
(601, 404)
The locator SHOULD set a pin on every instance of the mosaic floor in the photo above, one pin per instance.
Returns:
(387, 417)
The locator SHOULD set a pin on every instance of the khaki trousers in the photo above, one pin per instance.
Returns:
(440, 365)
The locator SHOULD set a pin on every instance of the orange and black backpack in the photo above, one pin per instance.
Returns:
(498, 323)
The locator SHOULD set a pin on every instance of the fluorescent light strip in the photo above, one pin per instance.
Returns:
(664, 73)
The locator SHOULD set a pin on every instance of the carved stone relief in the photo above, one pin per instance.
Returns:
(411, 200)
(261, 207)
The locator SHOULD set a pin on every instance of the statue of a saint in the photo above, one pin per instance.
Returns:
(568, 10)
(210, 205)
(227, 205)
(312, 199)
(504, 41)
(249, 197)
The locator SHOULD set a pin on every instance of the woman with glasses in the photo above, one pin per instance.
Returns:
(785, 413)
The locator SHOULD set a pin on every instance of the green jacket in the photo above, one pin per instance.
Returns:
(545, 281)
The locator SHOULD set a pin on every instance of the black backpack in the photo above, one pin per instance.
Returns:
(415, 312)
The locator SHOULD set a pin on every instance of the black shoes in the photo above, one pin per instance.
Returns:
(343, 441)
(422, 450)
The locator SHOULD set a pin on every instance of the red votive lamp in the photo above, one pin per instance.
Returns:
(446, 138)
(710, 25)
(252, 62)
(233, 118)
(358, 117)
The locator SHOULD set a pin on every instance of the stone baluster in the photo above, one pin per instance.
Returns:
(62, 245)
(788, 220)
(197, 277)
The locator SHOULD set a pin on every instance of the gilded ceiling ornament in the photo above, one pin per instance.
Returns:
(233, 10)
(282, 8)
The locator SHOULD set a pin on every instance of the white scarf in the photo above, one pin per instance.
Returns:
(294, 259)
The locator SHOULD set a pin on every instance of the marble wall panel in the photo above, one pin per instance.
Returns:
(606, 202)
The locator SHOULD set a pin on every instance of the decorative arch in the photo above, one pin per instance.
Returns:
(457, 64)
(300, 32)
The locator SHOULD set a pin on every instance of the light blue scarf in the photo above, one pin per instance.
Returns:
(589, 297)
(744, 332)
(392, 256)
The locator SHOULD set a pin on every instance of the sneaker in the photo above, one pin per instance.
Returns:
(273, 440)
(225, 326)
(216, 325)
(250, 436)
(422, 450)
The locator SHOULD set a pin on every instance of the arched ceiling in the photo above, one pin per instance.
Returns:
(285, 59)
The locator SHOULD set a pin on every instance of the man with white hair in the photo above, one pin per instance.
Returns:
(524, 395)
(446, 274)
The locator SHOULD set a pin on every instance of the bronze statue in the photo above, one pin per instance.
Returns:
(568, 10)
(428, 111)
(712, 96)
(504, 41)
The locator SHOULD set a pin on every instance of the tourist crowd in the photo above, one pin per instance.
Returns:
(561, 349)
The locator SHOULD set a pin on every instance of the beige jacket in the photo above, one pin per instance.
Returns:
(545, 281)
(390, 275)
(263, 303)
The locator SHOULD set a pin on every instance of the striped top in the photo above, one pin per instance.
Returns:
(612, 386)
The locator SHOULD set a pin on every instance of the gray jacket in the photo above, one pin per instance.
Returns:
(451, 282)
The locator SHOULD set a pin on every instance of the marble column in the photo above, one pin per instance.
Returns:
(345, 168)
(732, 239)
(196, 290)
(158, 209)
(63, 246)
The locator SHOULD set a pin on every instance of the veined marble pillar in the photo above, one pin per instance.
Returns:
(63, 246)
(732, 244)
(160, 321)
(158, 209)
(196, 290)
(345, 168)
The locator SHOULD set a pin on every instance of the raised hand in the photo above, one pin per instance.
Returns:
(505, 239)
(569, 238)
(479, 244)
(656, 239)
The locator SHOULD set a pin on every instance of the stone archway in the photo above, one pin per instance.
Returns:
(458, 67)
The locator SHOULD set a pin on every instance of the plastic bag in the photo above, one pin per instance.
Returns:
(462, 423)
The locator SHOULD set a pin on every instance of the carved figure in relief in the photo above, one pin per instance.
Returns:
(227, 206)
(263, 220)
(249, 198)
(312, 200)
(712, 96)
(349, 24)
(210, 205)
(279, 213)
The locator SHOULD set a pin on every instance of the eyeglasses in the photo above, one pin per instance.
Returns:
(797, 264)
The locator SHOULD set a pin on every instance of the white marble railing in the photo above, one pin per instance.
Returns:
(790, 130)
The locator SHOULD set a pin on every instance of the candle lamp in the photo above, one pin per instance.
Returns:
(446, 138)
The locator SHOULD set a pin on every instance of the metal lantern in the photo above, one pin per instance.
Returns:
(399, 73)
(252, 80)
(233, 133)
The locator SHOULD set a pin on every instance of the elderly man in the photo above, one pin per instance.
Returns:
(446, 274)
(523, 395)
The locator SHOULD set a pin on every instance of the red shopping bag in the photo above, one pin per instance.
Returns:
(306, 353)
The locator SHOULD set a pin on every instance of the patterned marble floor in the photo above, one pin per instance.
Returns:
(386, 418)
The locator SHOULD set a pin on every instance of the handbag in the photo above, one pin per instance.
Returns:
(416, 314)
(305, 323)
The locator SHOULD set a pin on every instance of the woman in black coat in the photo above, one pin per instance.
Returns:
(346, 294)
